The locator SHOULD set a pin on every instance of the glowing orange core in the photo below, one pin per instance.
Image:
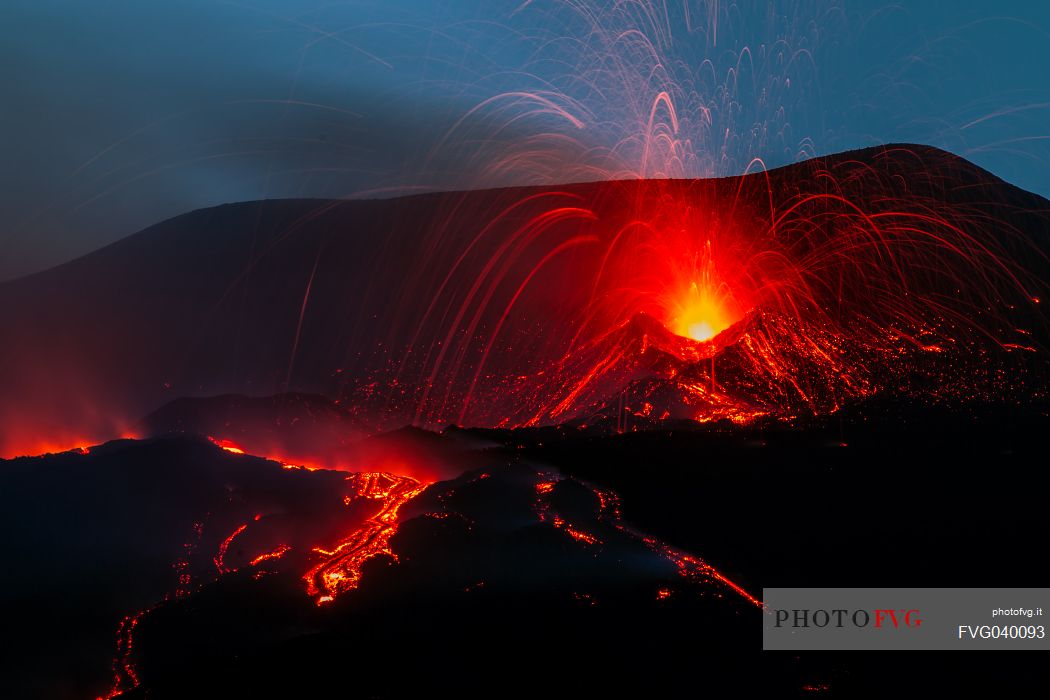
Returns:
(701, 315)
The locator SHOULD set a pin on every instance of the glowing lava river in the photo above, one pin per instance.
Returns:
(374, 506)
(276, 572)
(590, 422)
(340, 569)
(337, 570)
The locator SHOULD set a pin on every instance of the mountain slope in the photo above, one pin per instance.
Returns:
(432, 308)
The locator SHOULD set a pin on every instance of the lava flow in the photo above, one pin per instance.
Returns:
(234, 448)
(336, 570)
(690, 567)
(340, 567)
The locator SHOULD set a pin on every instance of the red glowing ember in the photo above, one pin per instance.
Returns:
(277, 553)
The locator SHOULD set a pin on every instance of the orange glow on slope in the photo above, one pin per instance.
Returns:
(227, 445)
(277, 553)
(60, 445)
(340, 567)
(304, 467)
(126, 678)
(545, 487)
(219, 559)
(231, 446)
(581, 536)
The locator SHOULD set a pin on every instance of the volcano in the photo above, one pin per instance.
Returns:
(453, 440)
(893, 269)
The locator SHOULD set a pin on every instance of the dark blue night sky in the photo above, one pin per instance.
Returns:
(119, 114)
